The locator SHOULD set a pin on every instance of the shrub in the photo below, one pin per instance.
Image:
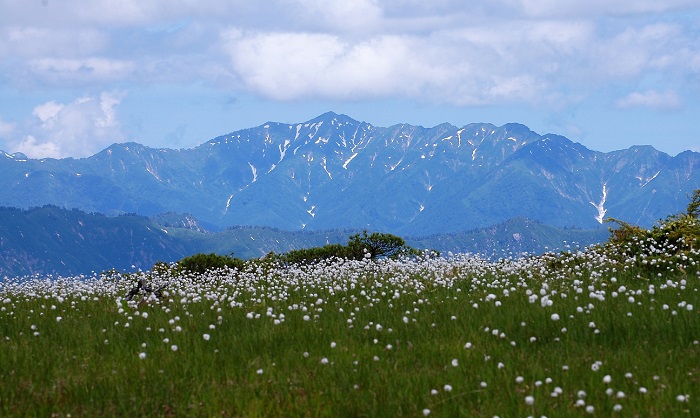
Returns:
(675, 235)
(313, 254)
(200, 263)
(378, 245)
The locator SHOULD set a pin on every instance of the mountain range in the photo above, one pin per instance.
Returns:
(54, 241)
(335, 172)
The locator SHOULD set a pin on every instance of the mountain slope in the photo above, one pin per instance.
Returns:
(334, 172)
(51, 240)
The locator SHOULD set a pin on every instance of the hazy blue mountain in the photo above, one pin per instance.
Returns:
(334, 172)
(51, 240)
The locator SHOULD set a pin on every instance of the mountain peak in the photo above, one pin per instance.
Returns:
(17, 156)
(335, 172)
(330, 117)
(561, 142)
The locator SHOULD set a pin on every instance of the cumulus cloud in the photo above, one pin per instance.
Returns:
(652, 99)
(483, 61)
(77, 129)
(442, 51)
(474, 65)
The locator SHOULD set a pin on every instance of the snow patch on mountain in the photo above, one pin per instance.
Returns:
(283, 149)
(153, 171)
(345, 164)
(325, 167)
(600, 206)
(393, 167)
(644, 183)
(255, 172)
(228, 203)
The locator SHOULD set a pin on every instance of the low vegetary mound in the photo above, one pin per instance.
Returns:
(610, 330)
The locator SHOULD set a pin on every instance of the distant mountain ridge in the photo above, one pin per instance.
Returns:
(335, 172)
(52, 240)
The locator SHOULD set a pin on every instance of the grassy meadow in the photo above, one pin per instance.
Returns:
(588, 332)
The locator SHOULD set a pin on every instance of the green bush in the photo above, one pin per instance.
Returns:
(313, 254)
(359, 246)
(676, 234)
(378, 245)
(200, 263)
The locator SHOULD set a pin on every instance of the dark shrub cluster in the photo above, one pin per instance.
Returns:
(200, 263)
(359, 246)
(674, 236)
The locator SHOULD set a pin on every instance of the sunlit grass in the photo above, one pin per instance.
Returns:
(455, 336)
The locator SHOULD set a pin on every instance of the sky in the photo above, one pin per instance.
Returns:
(77, 76)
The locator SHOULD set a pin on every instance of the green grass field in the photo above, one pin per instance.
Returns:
(577, 334)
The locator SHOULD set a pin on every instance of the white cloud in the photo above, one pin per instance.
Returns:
(442, 51)
(34, 148)
(292, 65)
(475, 65)
(76, 129)
(471, 61)
(47, 112)
(6, 129)
(336, 16)
(652, 99)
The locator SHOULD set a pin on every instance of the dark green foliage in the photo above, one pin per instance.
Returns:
(694, 205)
(313, 254)
(627, 234)
(378, 245)
(200, 263)
(675, 235)
(375, 245)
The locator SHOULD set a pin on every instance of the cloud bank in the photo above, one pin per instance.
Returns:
(77, 129)
(542, 53)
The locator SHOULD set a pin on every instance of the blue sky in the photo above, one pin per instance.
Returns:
(77, 76)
